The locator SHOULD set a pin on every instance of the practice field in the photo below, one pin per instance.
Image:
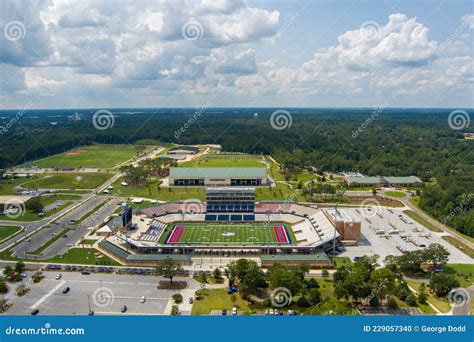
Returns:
(229, 233)
(94, 156)
(83, 180)
(226, 160)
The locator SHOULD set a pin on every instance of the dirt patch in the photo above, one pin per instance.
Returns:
(75, 152)
(166, 285)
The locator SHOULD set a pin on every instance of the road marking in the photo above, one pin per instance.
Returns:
(42, 299)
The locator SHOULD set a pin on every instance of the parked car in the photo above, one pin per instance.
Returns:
(66, 289)
(143, 299)
(34, 312)
(190, 300)
(234, 311)
(123, 309)
(91, 313)
(85, 272)
(224, 312)
(58, 276)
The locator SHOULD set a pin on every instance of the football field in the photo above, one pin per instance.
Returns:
(228, 233)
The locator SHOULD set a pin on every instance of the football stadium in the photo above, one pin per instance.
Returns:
(228, 223)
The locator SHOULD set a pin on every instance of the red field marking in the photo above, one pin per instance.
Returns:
(176, 234)
(280, 234)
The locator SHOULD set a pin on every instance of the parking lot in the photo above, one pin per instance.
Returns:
(388, 231)
(105, 293)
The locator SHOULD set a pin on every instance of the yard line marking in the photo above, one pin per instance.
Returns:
(42, 299)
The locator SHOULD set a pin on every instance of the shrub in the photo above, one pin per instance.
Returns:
(177, 297)
(392, 303)
(411, 300)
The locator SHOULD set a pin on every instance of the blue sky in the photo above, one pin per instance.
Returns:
(137, 53)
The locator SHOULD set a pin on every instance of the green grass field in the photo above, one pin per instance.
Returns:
(395, 194)
(94, 156)
(232, 233)
(7, 232)
(83, 180)
(421, 221)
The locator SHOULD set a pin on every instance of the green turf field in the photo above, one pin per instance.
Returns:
(94, 156)
(231, 233)
(82, 180)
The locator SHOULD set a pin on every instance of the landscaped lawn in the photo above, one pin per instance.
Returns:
(218, 299)
(94, 156)
(395, 194)
(459, 245)
(440, 303)
(7, 232)
(150, 191)
(84, 256)
(342, 261)
(7, 186)
(29, 216)
(421, 221)
(84, 180)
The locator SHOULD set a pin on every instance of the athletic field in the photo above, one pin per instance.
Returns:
(232, 233)
(94, 156)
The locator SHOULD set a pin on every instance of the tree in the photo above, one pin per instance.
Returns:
(314, 296)
(392, 303)
(436, 254)
(383, 281)
(402, 291)
(34, 205)
(303, 302)
(217, 274)
(177, 297)
(287, 277)
(19, 267)
(422, 294)
(442, 283)
(411, 300)
(169, 269)
(7, 271)
(3, 286)
(325, 273)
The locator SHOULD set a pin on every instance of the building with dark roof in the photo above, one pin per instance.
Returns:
(185, 149)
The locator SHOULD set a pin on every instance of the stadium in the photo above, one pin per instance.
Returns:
(229, 223)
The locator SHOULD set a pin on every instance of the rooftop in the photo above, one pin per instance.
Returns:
(184, 148)
(218, 172)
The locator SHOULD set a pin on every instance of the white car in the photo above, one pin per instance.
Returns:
(234, 311)
(143, 299)
(58, 276)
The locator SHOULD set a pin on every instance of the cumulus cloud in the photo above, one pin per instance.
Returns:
(140, 49)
